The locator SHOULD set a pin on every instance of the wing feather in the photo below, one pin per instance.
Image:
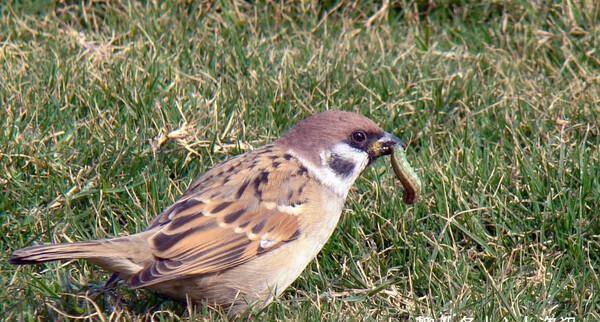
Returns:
(229, 216)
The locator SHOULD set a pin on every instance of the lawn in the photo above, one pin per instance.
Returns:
(108, 110)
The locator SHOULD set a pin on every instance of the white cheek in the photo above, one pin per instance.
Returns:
(340, 184)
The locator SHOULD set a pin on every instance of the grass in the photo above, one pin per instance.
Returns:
(110, 109)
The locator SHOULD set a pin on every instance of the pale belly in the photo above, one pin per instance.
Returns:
(259, 281)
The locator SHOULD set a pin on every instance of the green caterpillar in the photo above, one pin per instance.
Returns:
(407, 175)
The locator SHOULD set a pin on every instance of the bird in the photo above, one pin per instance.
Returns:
(244, 230)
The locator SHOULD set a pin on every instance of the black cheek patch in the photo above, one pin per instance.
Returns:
(341, 166)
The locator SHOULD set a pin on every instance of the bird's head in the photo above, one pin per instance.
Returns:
(336, 146)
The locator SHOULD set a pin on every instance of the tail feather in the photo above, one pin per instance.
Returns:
(45, 253)
(124, 255)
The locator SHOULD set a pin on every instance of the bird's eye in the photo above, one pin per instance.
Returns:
(359, 136)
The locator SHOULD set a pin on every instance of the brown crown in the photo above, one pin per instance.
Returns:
(320, 131)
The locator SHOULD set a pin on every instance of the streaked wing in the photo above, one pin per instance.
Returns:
(232, 214)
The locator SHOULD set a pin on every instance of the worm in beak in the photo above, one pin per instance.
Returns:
(406, 174)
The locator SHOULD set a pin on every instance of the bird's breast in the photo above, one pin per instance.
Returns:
(267, 276)
(288, 261)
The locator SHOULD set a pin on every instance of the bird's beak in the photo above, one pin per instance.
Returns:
(385, 145)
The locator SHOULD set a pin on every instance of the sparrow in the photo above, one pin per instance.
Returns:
(244, 230)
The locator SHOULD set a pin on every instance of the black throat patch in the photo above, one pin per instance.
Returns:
(340, 165)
